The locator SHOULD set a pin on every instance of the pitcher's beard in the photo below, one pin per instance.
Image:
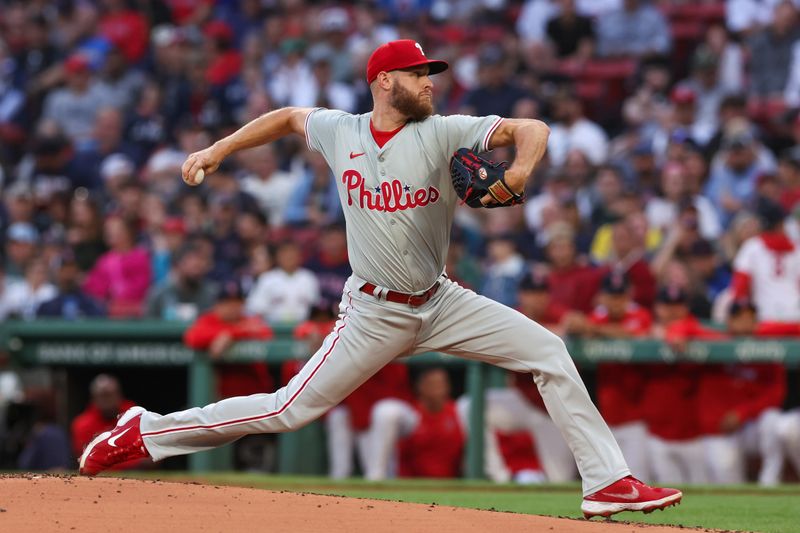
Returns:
(410, 105)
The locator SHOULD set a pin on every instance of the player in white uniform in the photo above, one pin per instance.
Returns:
(399, 203)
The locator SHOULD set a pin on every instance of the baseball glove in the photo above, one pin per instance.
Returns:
(474, 177)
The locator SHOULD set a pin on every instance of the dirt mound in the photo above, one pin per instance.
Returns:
(35, 503)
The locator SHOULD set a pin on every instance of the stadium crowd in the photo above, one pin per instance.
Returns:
(668, 204)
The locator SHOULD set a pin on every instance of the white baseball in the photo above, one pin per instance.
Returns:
(199, 176)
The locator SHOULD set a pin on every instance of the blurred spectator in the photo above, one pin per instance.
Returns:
(229, 252)
(495, 93)
(732, 181)
(330, 265)
(293, 74)
(788, 175)
(628, 246)
(535, 302)
(70, 303)
(771, 52)
(675, 442)
(620, 386)
(106, 155)
(662, 210)
(504, 270)
(287, 292)
(746, 16)
(713, 275)
(637, 29)
(106, 405)
(123, 83)
(125, 28)
(22, 240)
(708, 89)
(46, 445)
(266, 182)
(85, 231)
(573, 131)
(75, 106)
(315, 200)
(217, 330)
(572, 33)
(224, 60)
(426, 436)
(26, 295)
(572, 283)
(12, 112)
(50, 166)
(186, 294)
(335, 26)
(540, 210)
(767, 269)
(121, 277)
(730, 55)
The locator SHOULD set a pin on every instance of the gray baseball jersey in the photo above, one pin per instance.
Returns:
(398, 200)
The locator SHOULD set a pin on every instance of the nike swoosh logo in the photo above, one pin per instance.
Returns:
(113, 440)
(353, 155)
(632, 495)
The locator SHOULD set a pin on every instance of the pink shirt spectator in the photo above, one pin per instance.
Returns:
(121, 280)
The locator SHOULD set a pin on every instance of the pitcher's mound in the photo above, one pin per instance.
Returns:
(38, 504)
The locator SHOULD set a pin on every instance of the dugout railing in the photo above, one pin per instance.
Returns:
(107, 343)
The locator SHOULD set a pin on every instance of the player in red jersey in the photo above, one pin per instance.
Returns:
(620, 386)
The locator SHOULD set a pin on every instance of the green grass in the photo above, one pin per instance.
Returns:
(739, 508)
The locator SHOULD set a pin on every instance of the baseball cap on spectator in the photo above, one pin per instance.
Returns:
(672, 294)
(558, 231)
(66, 258)
(76, 64)
(116, 165)
(701, 248)
(704, 59)
(400, 54)
(174, 225)
(292, 46)
(49, 144)
(165, 35)
(770, 213)
(334, 19)
(682, 95)
(19, 190)
(491, 55)
(165, 161)
(22, 232)
(643, 148)
(219, 31)
(738, 139)
(740, 305)
(615, 283)
(231, 289)
(534, 282)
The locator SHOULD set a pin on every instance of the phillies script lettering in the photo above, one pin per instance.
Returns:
(389, 196)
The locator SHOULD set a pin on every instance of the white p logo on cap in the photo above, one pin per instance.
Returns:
(420, 48)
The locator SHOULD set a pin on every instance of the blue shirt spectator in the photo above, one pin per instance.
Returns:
(637, 29)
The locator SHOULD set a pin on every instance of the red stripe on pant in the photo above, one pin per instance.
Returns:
(258, 417)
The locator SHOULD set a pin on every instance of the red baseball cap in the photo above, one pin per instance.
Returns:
(683, 95)
(395, 55)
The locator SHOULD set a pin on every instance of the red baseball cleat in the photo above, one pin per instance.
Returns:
(628, 494)
(121, 444)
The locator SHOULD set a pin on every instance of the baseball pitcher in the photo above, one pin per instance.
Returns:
(400, 172)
